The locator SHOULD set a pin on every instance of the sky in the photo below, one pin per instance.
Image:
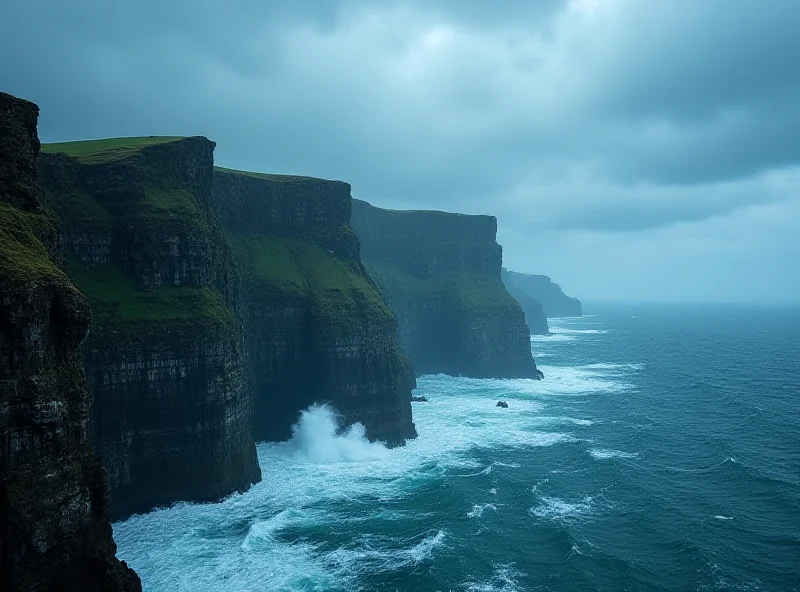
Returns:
(630, 149)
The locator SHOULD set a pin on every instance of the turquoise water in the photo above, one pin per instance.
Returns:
(661, 452)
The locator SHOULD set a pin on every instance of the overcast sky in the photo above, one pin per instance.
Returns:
(636, 149)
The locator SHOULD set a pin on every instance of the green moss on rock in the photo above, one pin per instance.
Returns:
(23, 257)
(337, 288)
(116, 300)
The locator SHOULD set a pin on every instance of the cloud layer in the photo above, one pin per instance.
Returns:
(659, 139)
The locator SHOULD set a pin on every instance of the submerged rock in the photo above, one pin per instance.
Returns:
(419, 399)
(502, 404)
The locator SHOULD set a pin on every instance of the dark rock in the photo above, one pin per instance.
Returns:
(440, 274)
(172, 409)
(542, 289)
(502, 404)
(55, 527)
(316, 327)
(534, 313)
(419, 399)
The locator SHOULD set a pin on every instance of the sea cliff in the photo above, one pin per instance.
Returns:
(440, 274)
(542, 289)
(55, 528)
(316, 327)
(172, 413)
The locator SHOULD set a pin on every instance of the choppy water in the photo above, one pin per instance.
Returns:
(661, 452)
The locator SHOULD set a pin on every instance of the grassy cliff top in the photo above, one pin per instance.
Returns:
(271, 177)
(107, 150)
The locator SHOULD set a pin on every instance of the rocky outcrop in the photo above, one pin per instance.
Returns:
(534, 313)
(316, 327)
(440, 274)
(55, 528)
(542, 289)
(172, 412)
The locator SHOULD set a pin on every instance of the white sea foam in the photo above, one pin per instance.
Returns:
(314, 439)
(551, 507)
(263, 539)
(477, 510)
(505, 578)
(603, 454)
(724, 517)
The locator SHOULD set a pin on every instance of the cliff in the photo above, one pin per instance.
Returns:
(440, 274)
(55, 528)
(172, 413)
(541, 288)
(316, 327)
(534, 312)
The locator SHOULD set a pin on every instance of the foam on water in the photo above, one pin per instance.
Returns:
(325, 478)
(601, 454)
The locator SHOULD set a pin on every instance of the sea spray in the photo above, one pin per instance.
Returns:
(317, 438)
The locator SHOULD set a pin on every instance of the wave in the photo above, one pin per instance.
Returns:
(315, 439)
(504, 578)
(554, 508)
(603, 454)
(477, 510)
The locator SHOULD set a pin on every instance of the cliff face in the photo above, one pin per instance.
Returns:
(534, 312)
(440, 274)
(165, 354)
(541, 288)
(55, 529)
(316, 328)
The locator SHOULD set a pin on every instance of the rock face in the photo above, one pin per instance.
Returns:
(440, 274)
(534, 312)
(55, 529)
(316, 327)
(172, 412)
(541, 288)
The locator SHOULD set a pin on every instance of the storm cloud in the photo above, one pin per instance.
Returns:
(629, 148)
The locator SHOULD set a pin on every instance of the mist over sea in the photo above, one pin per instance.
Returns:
(661, 452)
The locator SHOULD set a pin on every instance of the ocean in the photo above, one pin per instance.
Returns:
(660, 452)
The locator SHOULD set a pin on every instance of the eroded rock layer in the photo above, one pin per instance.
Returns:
(440, 274)
(316, 327)
(55, 528)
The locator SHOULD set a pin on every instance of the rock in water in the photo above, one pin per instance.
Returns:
(419, 399)
(55, 526)
(502, 404)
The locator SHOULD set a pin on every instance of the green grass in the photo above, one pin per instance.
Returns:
(116, 300)
(78, 208)
(169, 207)
(106, 150)
(337, 289)
(23, 257)
(471, 290)
(266, 176)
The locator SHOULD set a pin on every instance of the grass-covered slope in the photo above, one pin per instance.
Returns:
(106, 150)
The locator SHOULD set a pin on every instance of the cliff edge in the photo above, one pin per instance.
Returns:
(542, 289)
(316, 327)
(172, 409)
(440, 274)
(55, 527)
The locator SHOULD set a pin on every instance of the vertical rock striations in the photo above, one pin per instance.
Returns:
(55, 529)
(316, 327)
(440, 274)
(164, 357)
(541, 288)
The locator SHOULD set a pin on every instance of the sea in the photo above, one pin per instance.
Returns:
(660, 452)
